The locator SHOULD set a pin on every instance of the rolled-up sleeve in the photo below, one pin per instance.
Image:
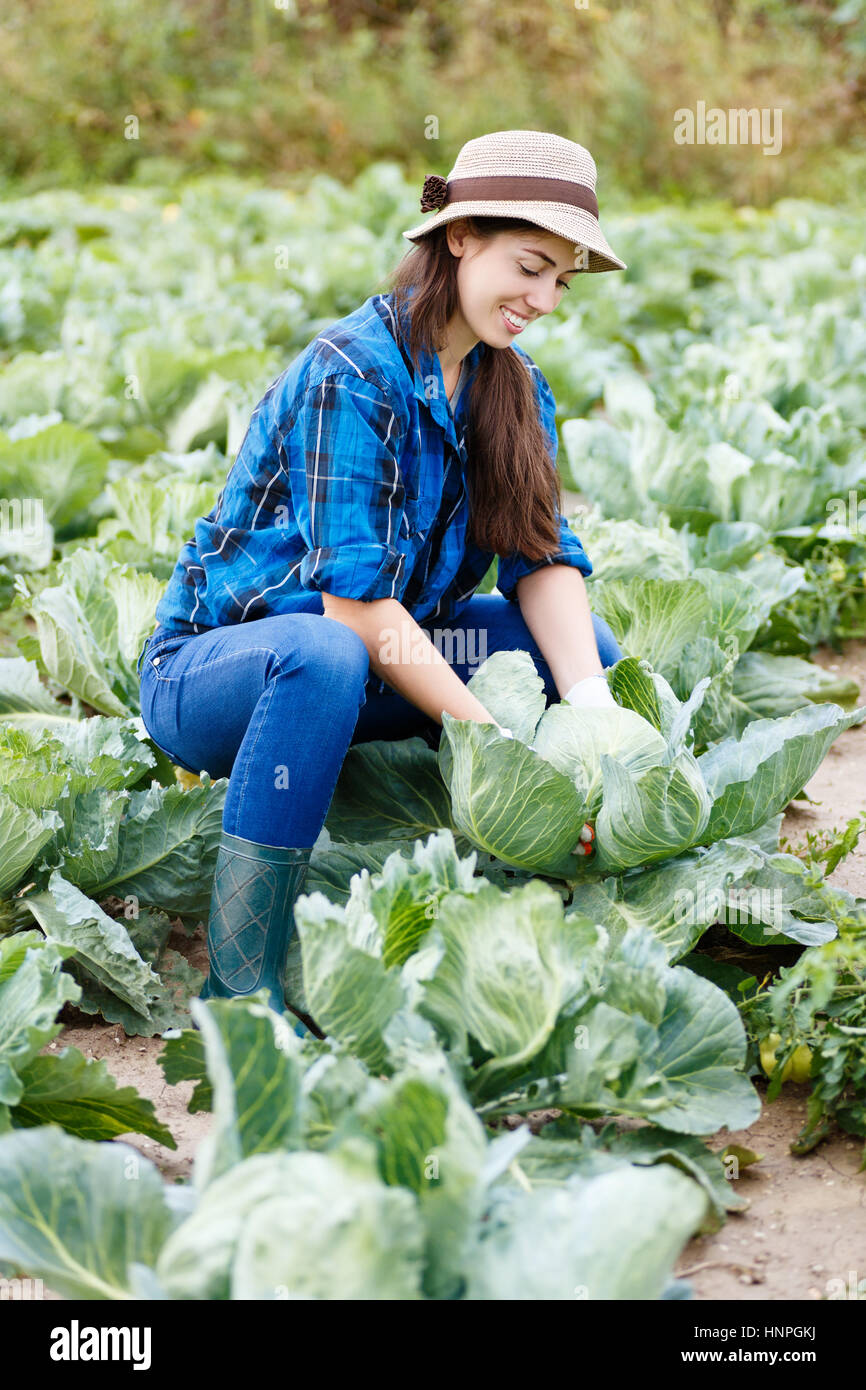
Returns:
(570, 551)
(348, 491)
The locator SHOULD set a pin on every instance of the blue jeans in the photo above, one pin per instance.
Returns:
(275, 704)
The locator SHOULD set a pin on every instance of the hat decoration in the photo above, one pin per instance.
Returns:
(434, 193)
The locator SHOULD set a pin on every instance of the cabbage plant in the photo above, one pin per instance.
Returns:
(631, 770)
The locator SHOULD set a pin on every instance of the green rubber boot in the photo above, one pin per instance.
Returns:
(251, 921)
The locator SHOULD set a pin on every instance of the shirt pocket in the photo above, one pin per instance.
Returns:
(423, 498)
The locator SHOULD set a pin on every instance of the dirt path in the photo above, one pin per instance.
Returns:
(806, 1223)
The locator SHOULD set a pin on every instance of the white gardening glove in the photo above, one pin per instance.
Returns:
(593, 692)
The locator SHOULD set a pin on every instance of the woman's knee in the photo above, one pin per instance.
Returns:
(323, 650)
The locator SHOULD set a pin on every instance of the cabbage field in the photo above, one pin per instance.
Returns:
(530, 1062)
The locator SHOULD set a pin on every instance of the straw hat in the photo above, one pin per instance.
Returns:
(526, 174)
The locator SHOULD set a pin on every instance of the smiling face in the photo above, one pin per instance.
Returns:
(506, 282)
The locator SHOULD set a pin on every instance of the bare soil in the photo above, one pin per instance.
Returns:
(806, 1223)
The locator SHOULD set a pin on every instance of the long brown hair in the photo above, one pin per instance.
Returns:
(514, 491)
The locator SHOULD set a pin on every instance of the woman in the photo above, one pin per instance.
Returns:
(300, 619)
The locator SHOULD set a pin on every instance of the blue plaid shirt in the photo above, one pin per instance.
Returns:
(350, 479)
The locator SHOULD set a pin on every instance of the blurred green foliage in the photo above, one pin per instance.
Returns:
(111, 90)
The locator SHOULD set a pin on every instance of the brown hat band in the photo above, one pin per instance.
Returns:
(508, 188)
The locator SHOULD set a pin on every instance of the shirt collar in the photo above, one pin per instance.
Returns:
(428, 383)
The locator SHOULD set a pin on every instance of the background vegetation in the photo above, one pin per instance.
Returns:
(275, 87)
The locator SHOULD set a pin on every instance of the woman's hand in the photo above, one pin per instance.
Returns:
(586, 844)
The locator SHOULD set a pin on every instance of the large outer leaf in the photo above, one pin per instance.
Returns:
(509, 801)
(298, 1225)
(685, 1151)
(653, 816)
(333, 867)
(331, 1234)
(169, 1003)
(167, 847)
(70, 653)
(780, 901)
(653, 1041)
(101, 944)
(753, 778)
(615, 1236)
(182, 1059)
(768, 686)
(91, 626)
(701, 1042)
(33, 989)
(252, 1061)
(78, 1094)
(78, 1214)
(196, 1259)
(22, 835)
(654, 618)
(24, 701)
(62, 465)
(349, 991)
(549, 1158)
(676, 900)
(389, 790)
(509, 686)
(600, 1061)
